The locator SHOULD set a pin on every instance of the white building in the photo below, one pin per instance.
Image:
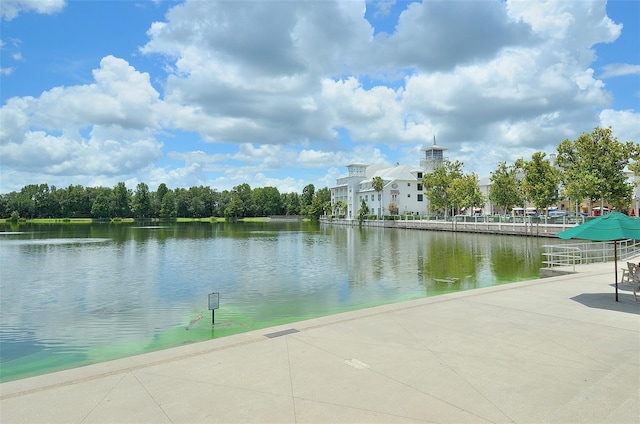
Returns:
(402, 191)
(404, 194)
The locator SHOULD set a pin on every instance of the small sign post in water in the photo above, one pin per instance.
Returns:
(214, 303)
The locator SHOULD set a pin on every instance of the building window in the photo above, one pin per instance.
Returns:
(408, 184)
(420, 175)
(419, 197)
(409, 195)
(419, 187)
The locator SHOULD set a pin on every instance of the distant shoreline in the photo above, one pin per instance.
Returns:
(130, 220)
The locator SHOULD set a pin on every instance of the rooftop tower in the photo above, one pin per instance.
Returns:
(434, 157)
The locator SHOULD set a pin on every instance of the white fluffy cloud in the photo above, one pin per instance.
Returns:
(104, 128)
(524, 82)
(620, 69)
(9, 9)
(286, 83)
(624, 123)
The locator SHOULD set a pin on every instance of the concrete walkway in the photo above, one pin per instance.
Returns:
(557, 350)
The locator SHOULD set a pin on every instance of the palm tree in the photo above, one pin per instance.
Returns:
(377, 183)
(339, 205)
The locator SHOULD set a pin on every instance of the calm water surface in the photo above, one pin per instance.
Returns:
(77, 294)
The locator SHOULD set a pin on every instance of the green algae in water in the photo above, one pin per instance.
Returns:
(40, 363)
(274, 274)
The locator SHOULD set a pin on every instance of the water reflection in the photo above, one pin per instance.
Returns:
(76, 294)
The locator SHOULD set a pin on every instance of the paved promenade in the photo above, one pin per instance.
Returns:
(557, 350)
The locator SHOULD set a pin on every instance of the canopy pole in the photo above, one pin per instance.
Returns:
(615, 261)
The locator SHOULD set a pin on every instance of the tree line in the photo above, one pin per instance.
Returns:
(589, 169)
(76, 201)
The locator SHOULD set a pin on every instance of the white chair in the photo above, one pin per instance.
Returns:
(628, 273)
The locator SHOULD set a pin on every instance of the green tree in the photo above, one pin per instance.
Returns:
(306, 198)
(223, 201)
(235, 209)
(540, 182)
(168, 207)
(244, 195)
(505, 188)
(25, 201)
(46, 204)
(101, 205)
(377, 183)
(4, 203)
(363, 211)
(182, 202)
(200, 202)
(35, 201)
(70, 200)
(321, 201)
(197, 207)
(593, 167)
(635, 166)
(161, 191)
(209, 196)
(141, 202)
(291, 203)
(464, 192)
(74, 202)
(156, 200)
(267, 201)
(120, 202)
(241, 203)
(341, 208)
(437, 185)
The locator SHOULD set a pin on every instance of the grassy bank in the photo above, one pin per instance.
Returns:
(123, 220)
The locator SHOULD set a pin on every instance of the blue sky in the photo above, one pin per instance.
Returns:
(287, 93)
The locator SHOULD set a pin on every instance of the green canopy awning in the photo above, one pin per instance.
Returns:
(611, 227)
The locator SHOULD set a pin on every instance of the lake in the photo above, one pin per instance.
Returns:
(75, 294)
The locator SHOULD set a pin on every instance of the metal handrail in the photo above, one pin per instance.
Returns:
(573, 254)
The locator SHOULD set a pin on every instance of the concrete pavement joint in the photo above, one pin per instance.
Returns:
(390, 378)
(152, 397)
(453, 370)
(293, 399)
(106, 395)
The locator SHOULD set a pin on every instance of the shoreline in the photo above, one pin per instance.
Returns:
(198, 330)
(548, 350)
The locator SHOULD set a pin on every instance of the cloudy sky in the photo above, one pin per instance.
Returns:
(286, 93)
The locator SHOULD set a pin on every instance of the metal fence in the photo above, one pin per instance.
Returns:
(572, 254)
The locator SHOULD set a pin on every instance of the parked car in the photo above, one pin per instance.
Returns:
(558, 213)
